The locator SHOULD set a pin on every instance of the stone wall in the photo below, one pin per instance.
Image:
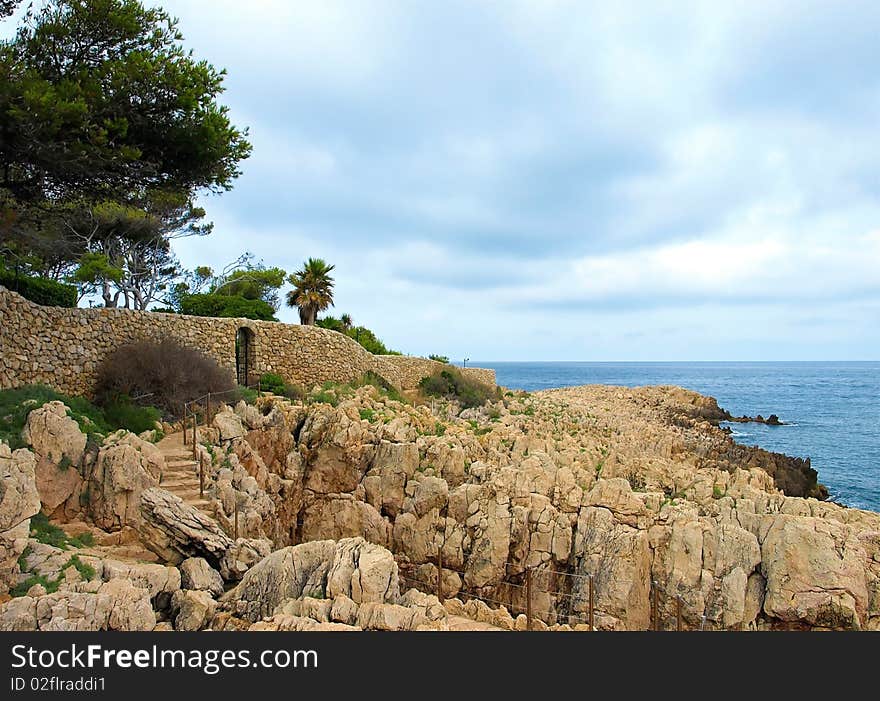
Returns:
(412, 369)
(64, 347)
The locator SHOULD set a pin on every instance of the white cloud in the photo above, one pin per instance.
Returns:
(560, 179)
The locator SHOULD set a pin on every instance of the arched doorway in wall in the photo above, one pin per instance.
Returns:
(245, 355)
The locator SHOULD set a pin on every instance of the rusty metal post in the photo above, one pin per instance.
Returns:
(440, 576)
(207, 409)
(528, 599)
(235, 526)
(656, 606)
(590, 618)
(201, 479)
(184, 424)
(195, 441)
(678, 613)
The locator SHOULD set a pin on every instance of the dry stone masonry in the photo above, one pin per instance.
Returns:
(63, 348)
(411, 369)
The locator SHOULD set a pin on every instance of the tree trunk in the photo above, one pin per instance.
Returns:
(109, 299)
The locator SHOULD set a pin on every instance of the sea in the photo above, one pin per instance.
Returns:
(831, 410)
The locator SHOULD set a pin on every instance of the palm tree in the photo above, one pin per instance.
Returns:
(312, 290)
(346, 322)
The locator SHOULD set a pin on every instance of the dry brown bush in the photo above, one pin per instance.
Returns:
(163, 374)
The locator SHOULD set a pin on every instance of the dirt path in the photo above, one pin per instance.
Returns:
(181, 473)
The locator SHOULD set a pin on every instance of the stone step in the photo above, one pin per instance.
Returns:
(182, 490)
(180, 462)
(180, 481)
(182, 452)
(181, 471)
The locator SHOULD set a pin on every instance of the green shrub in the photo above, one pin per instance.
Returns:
(83, 540)
(49, 534)
(439, 358)
(294, 391)
(367, 414)
(43, 531)
(270, 382)
(39, 290)
(246, 394)
(86, 571)
(275, 384)
(137, 419)
(333, 392)
(325, 396)
(22, 588)
(361, 334)
(453, 384)
(226, 306)
(380, 383)
(16, 404)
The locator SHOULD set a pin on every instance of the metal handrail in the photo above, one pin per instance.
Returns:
(206, 398)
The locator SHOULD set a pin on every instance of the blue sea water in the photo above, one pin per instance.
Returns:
(832, 408)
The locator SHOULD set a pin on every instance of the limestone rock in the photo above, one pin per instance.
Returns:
(19, 500)
(241, 555)
(125, 468)
(344, 610)
(395, 463)
(288, 573)
(114, 605)
(377, 616)
(288, 622)
(59, 445)
(362, 571)
(229, 424)
(174, 530)
(307, 607)
(343, 516)
(160, 581)
(193, 609)
(815, 573)
(619, 559)
(426, 494)
(197, 574)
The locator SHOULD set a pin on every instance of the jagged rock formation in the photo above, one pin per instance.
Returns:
(362, 501)
(627, 486)
(114, 605)
(19, 500)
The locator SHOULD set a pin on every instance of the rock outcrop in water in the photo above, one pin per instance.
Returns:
(360, 502)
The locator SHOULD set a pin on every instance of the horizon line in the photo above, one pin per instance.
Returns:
(457, 362)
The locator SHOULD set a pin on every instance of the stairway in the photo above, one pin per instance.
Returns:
(181, 473)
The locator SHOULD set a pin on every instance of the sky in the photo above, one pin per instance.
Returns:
(562, 180)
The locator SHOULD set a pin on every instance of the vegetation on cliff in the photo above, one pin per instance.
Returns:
(364, 336)
(115, 413)
(453, 384)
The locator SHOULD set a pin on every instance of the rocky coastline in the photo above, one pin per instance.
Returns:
(362, 512)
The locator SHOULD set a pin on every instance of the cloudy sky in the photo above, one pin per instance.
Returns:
(562, 180)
